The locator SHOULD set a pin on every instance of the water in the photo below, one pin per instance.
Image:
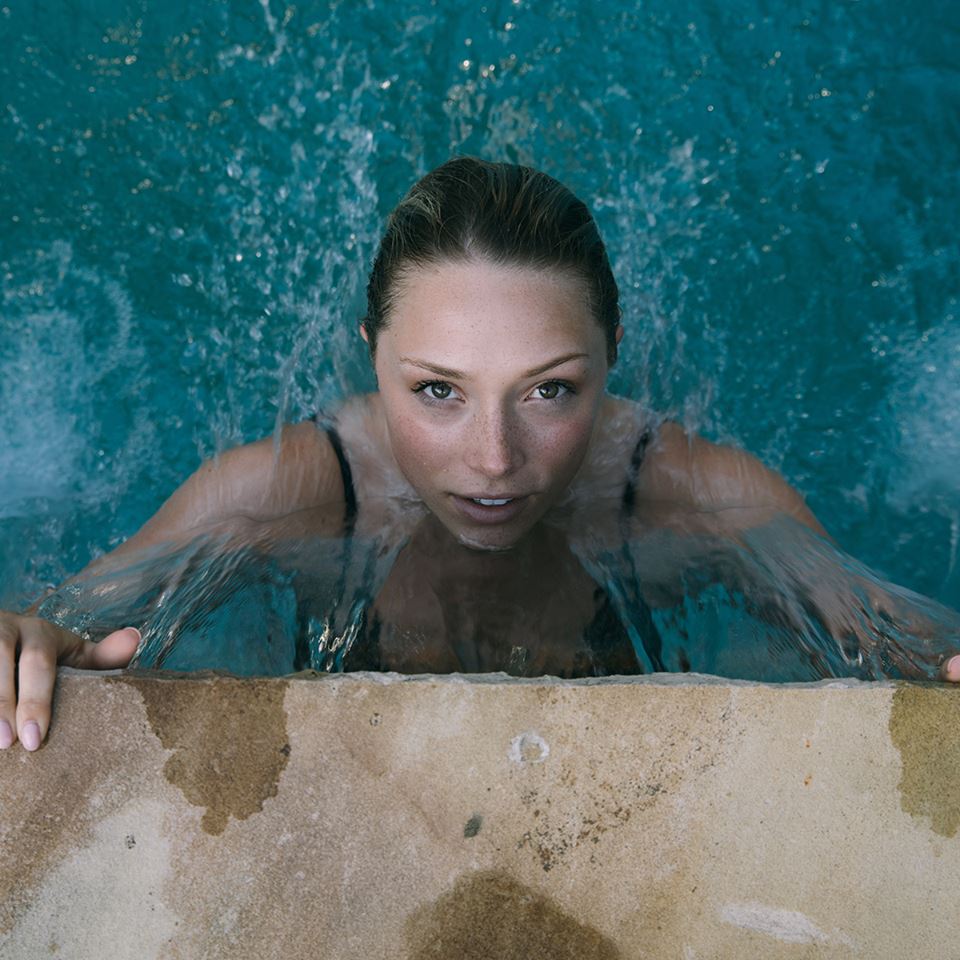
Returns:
(781, 604)
(190, 198)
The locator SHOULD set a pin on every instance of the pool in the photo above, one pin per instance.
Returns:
(191, 198)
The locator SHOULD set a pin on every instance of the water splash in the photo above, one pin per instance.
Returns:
(71, 366)
(925, 405)
(778, 605)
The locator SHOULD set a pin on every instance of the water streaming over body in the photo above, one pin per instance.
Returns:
(190, 198)
(766, 608)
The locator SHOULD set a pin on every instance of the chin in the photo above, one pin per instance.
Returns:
(470, 543)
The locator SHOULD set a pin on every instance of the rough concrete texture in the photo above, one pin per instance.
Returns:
(360, 817)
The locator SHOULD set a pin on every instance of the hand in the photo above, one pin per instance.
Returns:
(42, 645)
(890, 625)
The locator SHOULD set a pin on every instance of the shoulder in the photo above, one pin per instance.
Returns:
(244, 487)
(689, 471)
(619, 427)
(294, 471)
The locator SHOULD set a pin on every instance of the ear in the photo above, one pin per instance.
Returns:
(618, 334)
(363, 332)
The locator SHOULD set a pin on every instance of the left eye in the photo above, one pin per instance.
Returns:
(550, 391)
(438, 390)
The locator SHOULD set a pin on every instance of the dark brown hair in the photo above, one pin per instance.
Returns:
(501, 212)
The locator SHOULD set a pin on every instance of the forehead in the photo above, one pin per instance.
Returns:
(478, 302)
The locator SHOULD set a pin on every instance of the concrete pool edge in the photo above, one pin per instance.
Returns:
(356, 816)
(498, 678)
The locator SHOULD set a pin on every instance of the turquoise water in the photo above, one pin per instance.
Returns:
(191, 196)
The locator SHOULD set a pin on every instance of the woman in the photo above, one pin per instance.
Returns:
(492, 323)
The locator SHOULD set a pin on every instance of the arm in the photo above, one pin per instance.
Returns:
(244, 485)
(250, 484)
(730, 489)
(693, 486)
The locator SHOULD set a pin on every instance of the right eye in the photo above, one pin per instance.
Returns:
(434, 389)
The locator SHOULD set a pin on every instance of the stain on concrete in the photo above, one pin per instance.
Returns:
(472, 826)
(45, 822)
(924, 725)
(584, 815)
(529, 748)
(490, 916)
(229, 738)
(51, 801)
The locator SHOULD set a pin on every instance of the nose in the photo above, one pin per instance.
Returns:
(494, 446)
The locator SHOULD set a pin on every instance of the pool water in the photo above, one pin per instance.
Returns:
(191, 196)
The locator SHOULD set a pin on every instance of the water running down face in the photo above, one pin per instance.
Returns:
(492, 379)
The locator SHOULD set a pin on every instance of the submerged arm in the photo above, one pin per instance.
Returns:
(692, 486)
(229, 496)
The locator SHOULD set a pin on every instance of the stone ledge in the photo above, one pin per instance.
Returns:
(352, 817)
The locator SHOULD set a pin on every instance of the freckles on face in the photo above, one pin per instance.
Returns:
(491, 379)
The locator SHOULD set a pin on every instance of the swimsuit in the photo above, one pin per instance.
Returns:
(346, 475)
(609, 648)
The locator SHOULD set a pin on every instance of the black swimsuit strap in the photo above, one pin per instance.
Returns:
(346, 474)
(636, 460)
(641, 618)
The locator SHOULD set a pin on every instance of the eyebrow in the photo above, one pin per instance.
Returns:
(459, 375)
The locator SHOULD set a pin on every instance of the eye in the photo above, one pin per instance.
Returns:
(552, 390)
(434, 389)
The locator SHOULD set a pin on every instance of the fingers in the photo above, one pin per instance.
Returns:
(8, 695)
(25, 713)
(38, 673)
(114, 650)
(950, 671)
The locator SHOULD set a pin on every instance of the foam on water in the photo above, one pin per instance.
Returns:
(925, 405)
(69, 363)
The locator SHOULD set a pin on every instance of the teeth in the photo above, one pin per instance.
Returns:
(491, 503)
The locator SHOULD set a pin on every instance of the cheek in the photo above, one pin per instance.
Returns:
(565, 444)
(421, 450)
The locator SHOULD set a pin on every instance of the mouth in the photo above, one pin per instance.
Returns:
(489, 509)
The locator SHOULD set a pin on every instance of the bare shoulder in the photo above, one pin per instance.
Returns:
(297, 470)
(687, 470)
(619, 426)
(366, 442)
(255, 483)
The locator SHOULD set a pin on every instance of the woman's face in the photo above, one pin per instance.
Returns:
(491, 379)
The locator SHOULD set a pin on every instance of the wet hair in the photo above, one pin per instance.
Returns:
(503, 213)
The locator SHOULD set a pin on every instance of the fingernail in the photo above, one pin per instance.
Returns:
(953, 665)
(30, 736)
(6, 735)
(136, 631)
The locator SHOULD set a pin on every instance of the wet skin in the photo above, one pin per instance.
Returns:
(491, 381)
